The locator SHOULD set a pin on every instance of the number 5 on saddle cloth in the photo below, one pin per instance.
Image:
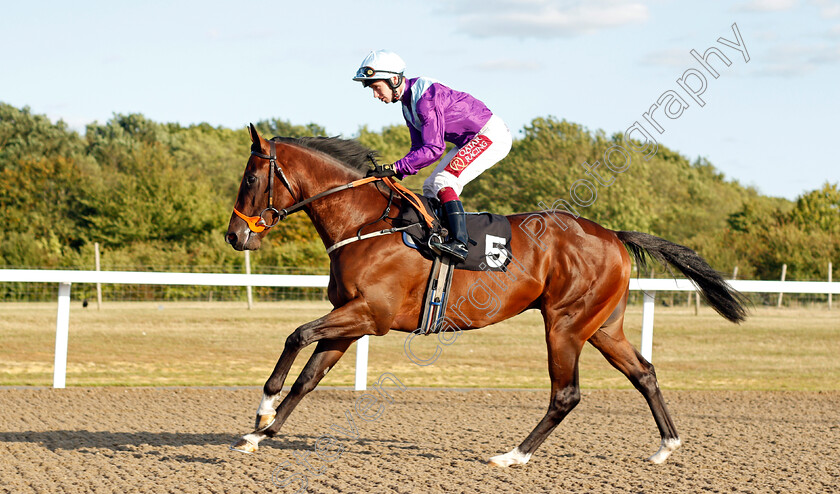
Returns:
(489, 246)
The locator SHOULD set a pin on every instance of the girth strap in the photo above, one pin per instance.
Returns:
(380, 233)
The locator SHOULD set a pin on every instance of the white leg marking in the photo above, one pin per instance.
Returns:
(248, 443)
(267, 411)
(268, 404)
(667, 447)
(253, 438)
(515, 457)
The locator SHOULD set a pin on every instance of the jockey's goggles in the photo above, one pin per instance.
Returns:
(368, 72)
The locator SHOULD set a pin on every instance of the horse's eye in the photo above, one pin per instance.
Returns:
(250, 180)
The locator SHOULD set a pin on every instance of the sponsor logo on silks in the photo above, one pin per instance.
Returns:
(468, 154)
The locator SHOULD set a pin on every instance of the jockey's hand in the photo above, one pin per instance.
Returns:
(382, 171)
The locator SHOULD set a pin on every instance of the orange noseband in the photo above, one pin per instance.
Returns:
(255, 223)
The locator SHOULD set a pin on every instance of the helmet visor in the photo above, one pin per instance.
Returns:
(369, 73)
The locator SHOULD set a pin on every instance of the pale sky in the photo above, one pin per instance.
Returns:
(770, 122)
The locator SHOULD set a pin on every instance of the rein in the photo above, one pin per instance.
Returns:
(258, 223)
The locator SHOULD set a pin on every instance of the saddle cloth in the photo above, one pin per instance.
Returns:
(489, 247)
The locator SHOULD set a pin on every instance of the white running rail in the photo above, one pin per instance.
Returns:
(649, 287)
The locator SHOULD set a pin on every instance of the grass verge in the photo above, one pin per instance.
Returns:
(224, 344)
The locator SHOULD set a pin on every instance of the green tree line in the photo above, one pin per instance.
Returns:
(159, 196)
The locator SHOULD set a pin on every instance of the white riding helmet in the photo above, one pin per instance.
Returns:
(379, 65)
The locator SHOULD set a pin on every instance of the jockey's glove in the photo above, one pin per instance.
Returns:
(382, 171)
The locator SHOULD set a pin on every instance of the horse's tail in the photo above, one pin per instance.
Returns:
(727, 301)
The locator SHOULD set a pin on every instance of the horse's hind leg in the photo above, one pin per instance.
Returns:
(326, 354)
(612, 343)
(563, 352)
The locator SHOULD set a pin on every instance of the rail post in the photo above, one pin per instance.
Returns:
(248, 288)
(362, 346)
(98, 285)
(62, 329)
(647, 326)
(784, 272)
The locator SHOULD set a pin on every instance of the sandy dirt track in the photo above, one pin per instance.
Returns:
(176, 440)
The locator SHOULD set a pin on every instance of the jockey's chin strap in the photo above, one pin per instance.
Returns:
(258, 223)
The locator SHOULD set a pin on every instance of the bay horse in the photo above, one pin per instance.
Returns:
(576, 274)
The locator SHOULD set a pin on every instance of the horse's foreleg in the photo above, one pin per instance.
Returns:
(611, 342)
(326, 354)
(273, 387)
(349, 321)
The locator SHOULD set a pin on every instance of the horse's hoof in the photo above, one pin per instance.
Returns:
(493, 462)
(515, 457)
(667, 447)
(264, 422)
(244, 446)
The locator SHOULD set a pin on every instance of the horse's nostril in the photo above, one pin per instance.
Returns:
(231, 238)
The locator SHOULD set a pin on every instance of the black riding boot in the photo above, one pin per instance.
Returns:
(456, 247)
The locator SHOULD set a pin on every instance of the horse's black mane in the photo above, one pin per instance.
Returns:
(348, 152)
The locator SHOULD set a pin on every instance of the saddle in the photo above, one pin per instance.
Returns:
(490, 236)
(488, 250)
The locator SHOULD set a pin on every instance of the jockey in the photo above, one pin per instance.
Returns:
(436, 113)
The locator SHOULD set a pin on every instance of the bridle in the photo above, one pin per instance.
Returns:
(258, 223)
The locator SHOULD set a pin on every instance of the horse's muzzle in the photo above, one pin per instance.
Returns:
(232, 239)
(243, 240)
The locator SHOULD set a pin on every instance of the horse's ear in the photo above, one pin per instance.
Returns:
(258, 141)
(255, 136)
